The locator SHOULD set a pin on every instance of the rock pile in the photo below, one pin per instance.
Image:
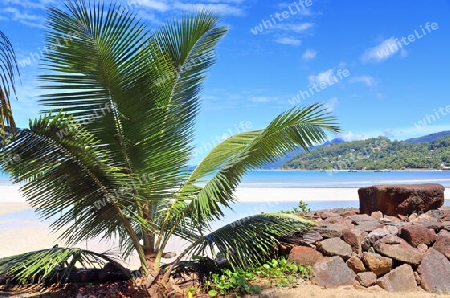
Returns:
(397, 253)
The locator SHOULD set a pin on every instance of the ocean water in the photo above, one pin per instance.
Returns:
(291, 179)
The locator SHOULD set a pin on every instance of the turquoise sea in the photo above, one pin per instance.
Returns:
(289, 179)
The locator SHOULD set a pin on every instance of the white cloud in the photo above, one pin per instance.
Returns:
(322, 77)
(383, 51)
(23, 17)
(152, 4)
(289, 41)
(350, 136)
(331, 104)
(389, 133)
(220, 8)
(368, 80)
(309, 54)
(297, 28)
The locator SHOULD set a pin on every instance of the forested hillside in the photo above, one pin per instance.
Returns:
(374, 154)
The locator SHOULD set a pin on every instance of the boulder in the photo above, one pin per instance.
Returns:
(335, 247)
(354, 237)
(401, 199)
(435, 272)
(305, 256)
(332, 273)
(417, 234)
(398, 249)
(442, 245)
(356, 264)
(377, 264)
(401, 279)
(366, 279)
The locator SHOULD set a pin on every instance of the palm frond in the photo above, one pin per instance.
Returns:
(66, 177)
(53, 264)
(8, 70)
(250, 241)
(231, 159)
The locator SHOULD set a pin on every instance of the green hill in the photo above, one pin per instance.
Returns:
(374, 154)
(428, 138)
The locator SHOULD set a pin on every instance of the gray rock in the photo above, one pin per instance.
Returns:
(442, 245)
(401, 279)
(360, 218)
(366, 279)
(435, 272)
(369, 226)
(393, 230)
(310, 237)
(330, 230)
(332, 273)
(397, 248)
(335, 247)
(374, 236)
(327, 214)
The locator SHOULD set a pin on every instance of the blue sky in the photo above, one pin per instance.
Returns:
(276, 51)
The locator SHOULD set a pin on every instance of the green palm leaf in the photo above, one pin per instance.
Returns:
(46, 263)
(249, 241)
(231, 159)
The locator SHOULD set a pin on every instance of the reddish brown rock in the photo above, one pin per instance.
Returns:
(303, 255)
(442, 245)
(401, 199)
(354, 237)
(377, 264)
(435, 272)
(356, 264)
(417, 234)
(401, 279)
(397, 248)
(332, 273)
(366, 279)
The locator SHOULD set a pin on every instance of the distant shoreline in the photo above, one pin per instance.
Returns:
(359, 171)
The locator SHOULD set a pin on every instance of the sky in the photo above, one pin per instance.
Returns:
(381, 67)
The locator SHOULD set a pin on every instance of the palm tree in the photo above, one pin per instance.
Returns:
(129, 157)
(8, 70)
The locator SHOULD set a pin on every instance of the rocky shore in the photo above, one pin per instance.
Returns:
(397, 253)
